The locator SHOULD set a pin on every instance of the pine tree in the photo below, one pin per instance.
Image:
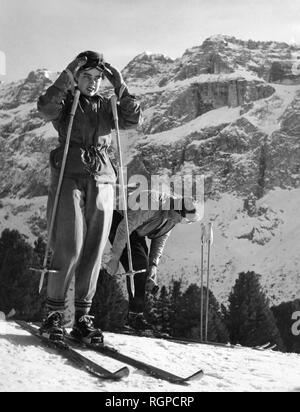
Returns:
(284, 319)
(217, 328)
(40, 250)
(188, 316)
(109, 304)
(151, 309)
(178, 313)
(250, 320)
(158, 310)
(175, 316)
(18, 285)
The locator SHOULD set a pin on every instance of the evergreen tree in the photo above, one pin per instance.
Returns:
(188, 319)
(109, 304)
(163, 310)
(250, 320)
(187, 316)
(175, 316)
(151, 309)
(40, 250)
(158, 310)
(285, 322)
(178, 313)
(217, 328)
(18, 285)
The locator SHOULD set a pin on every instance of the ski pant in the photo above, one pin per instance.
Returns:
(140, 260)
(81, 230)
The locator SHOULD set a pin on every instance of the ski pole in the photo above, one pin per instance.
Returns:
(210, 241)
(131, 272)
(45, 270)
(202, 280)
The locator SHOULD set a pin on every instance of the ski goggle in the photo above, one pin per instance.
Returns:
(94, 61)
(185, 221)
(185, 212)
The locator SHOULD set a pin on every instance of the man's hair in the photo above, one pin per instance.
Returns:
(181, 206)
(185, 210)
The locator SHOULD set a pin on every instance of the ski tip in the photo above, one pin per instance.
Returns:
(195, 377)
(122, 373)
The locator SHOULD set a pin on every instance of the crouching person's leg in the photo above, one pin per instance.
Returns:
(140, 260)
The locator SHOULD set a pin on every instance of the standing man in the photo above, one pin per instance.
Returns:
(85, 208)
(156, 222)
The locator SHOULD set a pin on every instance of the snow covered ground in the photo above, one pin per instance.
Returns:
(26, 366)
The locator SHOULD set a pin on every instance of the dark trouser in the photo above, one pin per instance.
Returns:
(140, 260)
(81, 231)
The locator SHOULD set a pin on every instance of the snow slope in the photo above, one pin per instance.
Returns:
(25, 367)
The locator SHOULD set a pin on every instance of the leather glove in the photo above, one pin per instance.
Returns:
(151, 285)
(75, 65)
(115, 77)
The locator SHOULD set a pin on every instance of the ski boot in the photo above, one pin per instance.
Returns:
(84, 330)
(138, 324)
(52, 327)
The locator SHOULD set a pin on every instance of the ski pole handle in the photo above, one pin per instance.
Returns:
(135, 272)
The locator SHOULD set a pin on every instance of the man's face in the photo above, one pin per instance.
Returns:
(190, 218)
(89, 82)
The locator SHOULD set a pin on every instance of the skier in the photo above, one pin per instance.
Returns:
(156, 223)
(85, 209)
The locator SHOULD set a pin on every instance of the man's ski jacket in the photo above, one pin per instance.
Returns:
(93, 122)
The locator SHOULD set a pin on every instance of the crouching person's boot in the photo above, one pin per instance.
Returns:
(138, 322)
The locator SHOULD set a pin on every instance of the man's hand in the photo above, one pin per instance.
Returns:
(151, 285)
(114, 76)
(75, 65)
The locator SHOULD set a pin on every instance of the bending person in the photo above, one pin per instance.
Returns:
(156, 225)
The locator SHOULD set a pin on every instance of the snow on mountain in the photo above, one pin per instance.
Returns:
(212, 118)
(27, 367)
(228, 110)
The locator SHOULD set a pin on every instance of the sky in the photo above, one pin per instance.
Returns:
(50, 33)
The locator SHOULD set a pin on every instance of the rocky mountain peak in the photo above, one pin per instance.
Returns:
(25, 91)
(152, 57)
(40, 76)
(270, 60)
(147, 66)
